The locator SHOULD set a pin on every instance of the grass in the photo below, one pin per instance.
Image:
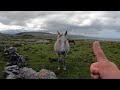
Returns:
(79, 59)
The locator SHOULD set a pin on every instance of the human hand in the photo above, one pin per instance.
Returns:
(103, 68)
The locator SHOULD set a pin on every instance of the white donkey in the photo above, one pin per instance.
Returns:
(62, 47)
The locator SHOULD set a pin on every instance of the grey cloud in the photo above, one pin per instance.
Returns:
(62, 20)
(53, 26)
(19, 17)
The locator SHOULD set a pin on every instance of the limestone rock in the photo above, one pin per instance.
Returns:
(47, 74)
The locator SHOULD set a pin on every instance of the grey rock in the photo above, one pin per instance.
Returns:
(6, 73)
(47, 74)
(11, 76)
(11, 70)
(18, 77)
(15, 71)
(28, 73)
(21, 62)
(11, 67)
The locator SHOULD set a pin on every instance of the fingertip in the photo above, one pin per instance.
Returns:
(96, 44)
(96, 41)
(98, 52)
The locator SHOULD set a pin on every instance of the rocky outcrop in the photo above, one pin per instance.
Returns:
(17, 68)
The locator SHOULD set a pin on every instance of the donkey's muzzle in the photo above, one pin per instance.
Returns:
(62, 52)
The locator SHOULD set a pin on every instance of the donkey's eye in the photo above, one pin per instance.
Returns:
(60, 35)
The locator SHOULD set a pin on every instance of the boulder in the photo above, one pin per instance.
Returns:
(11, 76)
(28, 73)
(47, 74)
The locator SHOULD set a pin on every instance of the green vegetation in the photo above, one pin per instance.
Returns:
(80, 57)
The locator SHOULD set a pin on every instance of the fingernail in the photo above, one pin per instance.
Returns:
(96, 43)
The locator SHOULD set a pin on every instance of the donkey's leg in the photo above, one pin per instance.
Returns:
(58, 62)
(64, 62)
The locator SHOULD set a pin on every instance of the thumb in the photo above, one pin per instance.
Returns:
(98, 52)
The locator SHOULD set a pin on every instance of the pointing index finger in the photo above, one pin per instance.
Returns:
(98, 52)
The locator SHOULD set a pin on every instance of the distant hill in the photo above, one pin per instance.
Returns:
(5, 36)
(45, 35)
(48, 35)
(37, 34)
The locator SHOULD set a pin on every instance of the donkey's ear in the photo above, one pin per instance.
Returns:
(65, 33)
(58, 32)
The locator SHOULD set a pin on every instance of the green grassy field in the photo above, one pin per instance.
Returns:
(79, 59)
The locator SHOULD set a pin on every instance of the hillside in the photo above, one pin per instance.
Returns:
(47, 35)
(43, 35)
(36, 35)
(5, 36)
(80, 57)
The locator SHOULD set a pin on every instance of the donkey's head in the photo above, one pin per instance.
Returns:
(61, 34)
(62, 41)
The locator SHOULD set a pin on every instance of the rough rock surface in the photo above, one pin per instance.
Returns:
(47, 74)
(17, 69)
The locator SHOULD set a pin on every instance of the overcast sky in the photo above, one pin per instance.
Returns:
(87, 23)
